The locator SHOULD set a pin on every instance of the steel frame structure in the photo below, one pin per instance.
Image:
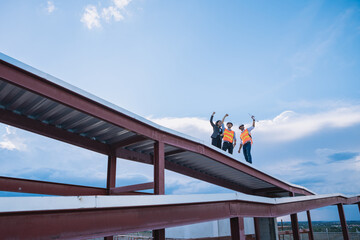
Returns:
(160, 148)
(85, 222)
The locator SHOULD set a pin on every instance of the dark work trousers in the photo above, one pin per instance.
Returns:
(246, 150)
(228, 146)
(216, 141)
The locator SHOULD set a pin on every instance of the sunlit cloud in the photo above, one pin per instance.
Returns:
(192, 126)
(115, 12)
(91, 17)
(287, 126)
(11, 141)
(121, 4)
(112, 13)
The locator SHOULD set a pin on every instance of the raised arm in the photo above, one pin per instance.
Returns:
(211, 119)
(253, 118)
(222, 121)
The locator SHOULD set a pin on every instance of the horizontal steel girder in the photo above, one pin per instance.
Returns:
(49, 188)
(94, 222)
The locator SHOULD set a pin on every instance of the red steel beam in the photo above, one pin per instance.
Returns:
(134, 193)
(290, 208)
(49, 188)
(344, 227)
(246, 209)
(57, 93)
(131, 188)
(311, 232)
(99, 222)
(92, 223)
(237, 228)
(353, 200)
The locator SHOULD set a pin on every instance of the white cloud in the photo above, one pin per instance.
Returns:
(287, 126)
(192, 126)
(121, 4)
(50, 6)
(115, 11)
(10, 141)
(112, 12)
(290, 126)
(91, 17)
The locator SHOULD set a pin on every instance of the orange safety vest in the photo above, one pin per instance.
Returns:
(228, 136)
(246, 137)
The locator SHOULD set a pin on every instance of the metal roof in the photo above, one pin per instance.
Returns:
(24, 108)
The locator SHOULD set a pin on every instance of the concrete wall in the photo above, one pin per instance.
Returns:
(268, 229)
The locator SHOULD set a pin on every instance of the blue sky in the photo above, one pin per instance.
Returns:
(295, 65)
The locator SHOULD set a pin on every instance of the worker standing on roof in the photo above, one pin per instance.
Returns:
(246, 140)
(218, 128)
(229, 138)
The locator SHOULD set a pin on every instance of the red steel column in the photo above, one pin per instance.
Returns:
(111, 179)
(111, 173)
(159, 168)
(343, 221)
(295, 226)
(294, 222)
(237, 228)
(159, 181)
(311, 232)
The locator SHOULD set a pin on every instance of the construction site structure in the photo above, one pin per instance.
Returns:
(40, 103)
